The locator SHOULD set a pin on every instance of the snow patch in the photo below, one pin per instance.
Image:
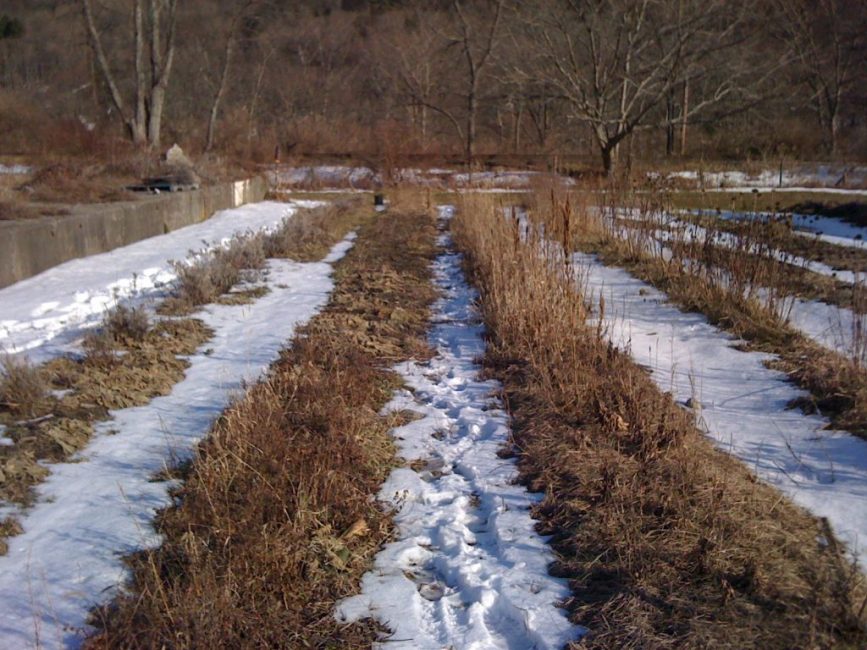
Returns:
(744, 405)
(47, 313)
(468, 570)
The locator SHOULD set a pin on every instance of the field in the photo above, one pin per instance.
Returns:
(508, 410)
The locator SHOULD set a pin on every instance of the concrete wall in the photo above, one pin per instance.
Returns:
(32, 246)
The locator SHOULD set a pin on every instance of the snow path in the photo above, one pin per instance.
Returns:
(96, 509)
(468, 570)
(743, 403)
(46, 313)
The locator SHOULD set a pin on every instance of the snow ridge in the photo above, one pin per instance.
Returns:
(468, 570)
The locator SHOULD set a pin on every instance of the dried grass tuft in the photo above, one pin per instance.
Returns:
(23, 388)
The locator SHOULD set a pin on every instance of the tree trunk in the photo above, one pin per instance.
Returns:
(516, 135)
(609, 158)
(669, 125)
(471, 124)
(684, 117)
(218, 96)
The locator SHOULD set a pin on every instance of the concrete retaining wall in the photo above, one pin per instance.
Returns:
(32, 246)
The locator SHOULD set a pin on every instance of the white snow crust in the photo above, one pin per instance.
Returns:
(468, 570)
(742, 404)
(97, 508)
(50, 310)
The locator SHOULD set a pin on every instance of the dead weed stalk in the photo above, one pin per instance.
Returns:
(747, 289)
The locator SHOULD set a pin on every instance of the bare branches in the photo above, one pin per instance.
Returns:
(151, 81)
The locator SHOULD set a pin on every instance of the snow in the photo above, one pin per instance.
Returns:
(795, 178)
(833, 230)
(331, 178)
(14, 169)
(467, 570)
(743, 403)
(97, 508)
(50, 310)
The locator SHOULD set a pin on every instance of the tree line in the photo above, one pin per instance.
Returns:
(609, 80)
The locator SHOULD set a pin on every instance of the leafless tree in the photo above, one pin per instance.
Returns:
(461, 44)
(232, 33)
(617, 62)
(828, 43)
(144, 121)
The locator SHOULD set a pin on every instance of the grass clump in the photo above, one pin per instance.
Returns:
(207, 278)
(127, 323)
(277, 518)
(23, 388)
(308, 234)
(666, 541)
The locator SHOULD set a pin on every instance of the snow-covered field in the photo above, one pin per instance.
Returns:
(93, 510)
(743, 404)
(46, 314)
(798, 178)
(467, 570)
(829, 229)
(334, 177)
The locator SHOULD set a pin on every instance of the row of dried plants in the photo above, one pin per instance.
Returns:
(666, 541)
(49, 411)
(745, 288)
(276, 518)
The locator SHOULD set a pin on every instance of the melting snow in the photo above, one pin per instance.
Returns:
(97, 508)
(468, 571)
(49, 310)
(743, 403)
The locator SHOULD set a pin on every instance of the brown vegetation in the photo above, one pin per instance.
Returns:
(276, 519)
(725, 288)
(385, 80)
(49, 411)
(666, 541)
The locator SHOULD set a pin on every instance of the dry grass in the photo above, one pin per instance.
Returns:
(276, 519)
(208, 277)
(747, 292)
(667, 542)
(306, 236)
(124, 365)
(79, 181)
(784, 238)
(23, 388)
(309, 233)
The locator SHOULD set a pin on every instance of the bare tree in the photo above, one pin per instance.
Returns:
(828, 42)
(476, 53)
(441, 63)
(231, 35)
(618, 62)
(144, 121)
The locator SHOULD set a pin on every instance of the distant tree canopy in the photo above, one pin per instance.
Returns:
(10, 27)
(606, 82)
